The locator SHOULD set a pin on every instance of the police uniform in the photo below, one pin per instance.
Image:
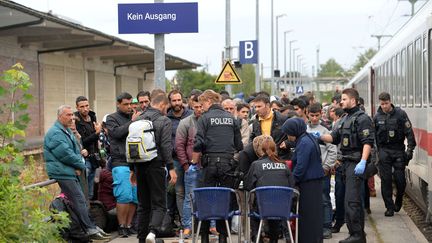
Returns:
(354, 131)
(391, 130)
(218, 138)
(265, 172)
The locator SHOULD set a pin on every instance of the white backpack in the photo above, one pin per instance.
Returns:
(140, 142)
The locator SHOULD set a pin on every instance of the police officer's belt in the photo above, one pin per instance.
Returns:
(219, 155)
(354, 157)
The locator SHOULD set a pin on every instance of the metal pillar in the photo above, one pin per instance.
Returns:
(159, 59)
(228, 38)
(257, 67)
(272, 52)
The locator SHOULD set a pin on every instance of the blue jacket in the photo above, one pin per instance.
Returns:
(62, 153)
(307, 155)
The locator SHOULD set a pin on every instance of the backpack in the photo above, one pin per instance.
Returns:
(140, 142)
(76, 232)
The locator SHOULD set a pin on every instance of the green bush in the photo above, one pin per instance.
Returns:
(24, 214)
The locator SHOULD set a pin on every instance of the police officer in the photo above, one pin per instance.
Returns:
(356, 135)
(392, 126)
(218, 138)
(268, 170)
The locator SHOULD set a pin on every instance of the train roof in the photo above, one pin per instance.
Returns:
(402, 37)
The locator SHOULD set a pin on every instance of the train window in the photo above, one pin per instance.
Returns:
(385, 78)
(397, 80)
(425, 71)
(392, 83)
(384, 86)
(418, 73)
(402, 87)
(424, 77)
(430, 68)
(376, 83)
(410, 76)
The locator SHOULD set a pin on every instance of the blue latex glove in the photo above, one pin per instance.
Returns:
(360, 167)
(192, 168)
(316, 134)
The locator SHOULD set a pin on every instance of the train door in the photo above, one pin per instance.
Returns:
(372, 91)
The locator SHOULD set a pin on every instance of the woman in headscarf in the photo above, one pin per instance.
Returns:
(308, 174)
(268, 170)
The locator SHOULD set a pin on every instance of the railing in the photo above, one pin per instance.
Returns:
(40, 184)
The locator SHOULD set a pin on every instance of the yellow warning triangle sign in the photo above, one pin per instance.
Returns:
(228, 75)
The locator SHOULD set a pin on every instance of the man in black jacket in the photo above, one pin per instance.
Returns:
(268, 122)
(118, 128)
(89, 129)
(392, 127)
(150, 176)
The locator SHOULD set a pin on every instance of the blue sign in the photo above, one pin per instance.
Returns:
(299, 90)
(158, 18)
(248, 52)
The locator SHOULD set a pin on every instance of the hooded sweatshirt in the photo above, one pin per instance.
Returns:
(328, 150)
(307, 155)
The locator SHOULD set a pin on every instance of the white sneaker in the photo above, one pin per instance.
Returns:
(151, 238)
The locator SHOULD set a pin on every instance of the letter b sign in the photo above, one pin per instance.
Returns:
(248, 52)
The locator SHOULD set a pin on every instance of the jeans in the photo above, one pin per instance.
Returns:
(90, 178)
(327, 206)
(191, 178)
(179, 187)
(74, 193)
(339, 196)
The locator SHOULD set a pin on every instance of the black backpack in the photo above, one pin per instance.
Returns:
(76, 232)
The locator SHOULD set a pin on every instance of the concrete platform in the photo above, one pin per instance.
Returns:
(379, 229)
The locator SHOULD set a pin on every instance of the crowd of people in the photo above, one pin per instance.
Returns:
(210, 139)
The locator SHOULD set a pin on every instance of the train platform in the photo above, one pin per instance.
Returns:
(379, 229)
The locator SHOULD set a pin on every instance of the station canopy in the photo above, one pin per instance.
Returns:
(47, 33)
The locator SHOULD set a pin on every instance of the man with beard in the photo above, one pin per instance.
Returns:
(356, 135)
(176, 113)
(89, 130)
(143, 100)
(185, 138)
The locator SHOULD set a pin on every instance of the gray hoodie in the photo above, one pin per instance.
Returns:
(328, 151)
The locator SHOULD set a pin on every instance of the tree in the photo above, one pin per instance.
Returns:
(362, 59)
(24, 213)
(191, 79)
(331, 69)
(247, 75)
